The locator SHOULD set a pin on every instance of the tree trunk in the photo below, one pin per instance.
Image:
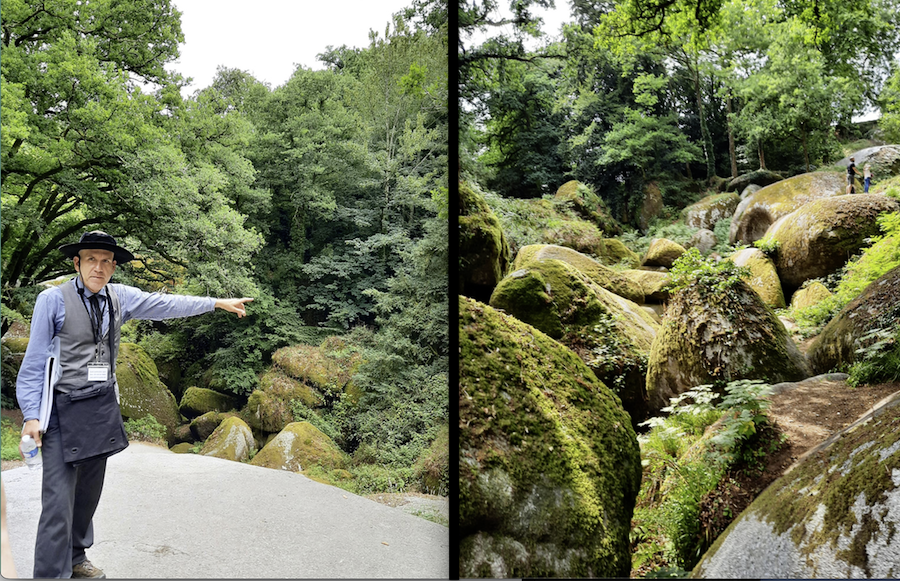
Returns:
(688, 166)
(762, 157)
(704, 130)
(731, 153)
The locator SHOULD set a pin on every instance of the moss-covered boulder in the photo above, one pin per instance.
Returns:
(232, 440)
(877, 307)
(324, 370)
(299, 446)
(763, 276)
(182, 448)
(202, 427)
(811, 294)
(662, 252)
(760, 177)
(818, 239)
(582, 199)
(653, 284)
(705, 213)
(751, 189)
(141, 393)
(197, 401)
(610, 333)
(756, 214)
(834, 515)
(483, 250)
(549, 466)
(616, 252)
(606, 277)
(703, 240)
(711, 336)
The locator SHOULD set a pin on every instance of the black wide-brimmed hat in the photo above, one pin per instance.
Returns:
(100, 241)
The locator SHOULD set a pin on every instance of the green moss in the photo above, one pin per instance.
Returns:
(605, 277)
(653, 284)
(141, 392)
(196, 401)
(547, 455)
(617, 253)
(16, 344)
(811, 294)
(483, 250)
(662, 252)
(763, 276)
(587, 204)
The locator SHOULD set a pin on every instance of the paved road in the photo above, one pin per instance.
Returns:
(166, 515)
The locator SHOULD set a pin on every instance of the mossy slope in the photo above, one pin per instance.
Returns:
(549, 466)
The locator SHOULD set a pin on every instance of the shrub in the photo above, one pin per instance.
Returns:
(880, 360)
(146, 429)
(10, 436)
(710, 275)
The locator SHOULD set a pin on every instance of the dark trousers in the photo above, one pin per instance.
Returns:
(69, 497)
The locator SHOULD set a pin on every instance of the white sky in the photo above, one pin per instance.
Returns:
(268, 38)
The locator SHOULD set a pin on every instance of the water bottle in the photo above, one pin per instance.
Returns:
(31, 452)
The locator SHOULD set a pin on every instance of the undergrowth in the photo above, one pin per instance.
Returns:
(683, 462)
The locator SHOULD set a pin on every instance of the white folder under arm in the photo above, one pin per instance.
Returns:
(51, 377)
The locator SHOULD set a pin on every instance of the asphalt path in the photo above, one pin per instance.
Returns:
(166, 515)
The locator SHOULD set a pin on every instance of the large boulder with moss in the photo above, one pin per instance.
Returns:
(818, 239)
(877, 307)
(654, 285)
(606, 277)
(834, 515)
(711, 209)
(662, 252)
(810, 294)
(651, 207)
(549, 466)
(299, 446)
(712, 336)
(232, 440)
(197, 401)
(757, 212)
(585, 203)
(328, 367)
(483, 250)
(615, 252)
(610, 333)
(763, 275)
(201, 428)
(141, 393)
(760, 177)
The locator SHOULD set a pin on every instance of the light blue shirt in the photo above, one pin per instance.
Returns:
(50, 313)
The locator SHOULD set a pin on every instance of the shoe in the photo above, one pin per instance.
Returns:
(85, 570)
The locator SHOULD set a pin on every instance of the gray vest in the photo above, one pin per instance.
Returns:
(76, 340)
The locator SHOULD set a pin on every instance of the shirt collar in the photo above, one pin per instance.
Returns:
(79, 284)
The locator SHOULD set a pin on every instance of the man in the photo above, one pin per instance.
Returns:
(852, 172)
(86, 314)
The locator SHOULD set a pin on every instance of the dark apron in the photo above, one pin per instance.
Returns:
(90, 423)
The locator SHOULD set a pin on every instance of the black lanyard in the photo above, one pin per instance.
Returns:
(96, 317)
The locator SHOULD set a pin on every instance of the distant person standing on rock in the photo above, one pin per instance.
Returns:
(852, 172)
(84, 427)
(867, 175)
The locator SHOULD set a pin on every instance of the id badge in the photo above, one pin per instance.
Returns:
(98, 371)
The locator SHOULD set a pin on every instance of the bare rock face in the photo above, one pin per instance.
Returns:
(711, 336)
(818, 238)
(878, 307)
(483, 250)
(758, 211)
(834, 515)
(549, 465)
(711, 209)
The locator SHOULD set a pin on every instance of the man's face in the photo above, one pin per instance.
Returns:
(96, 268)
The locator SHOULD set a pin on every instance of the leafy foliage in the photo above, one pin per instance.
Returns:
(146, 429)
(707, 274)
(879, 361)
